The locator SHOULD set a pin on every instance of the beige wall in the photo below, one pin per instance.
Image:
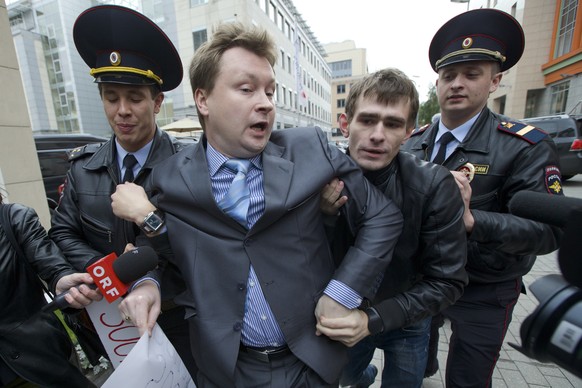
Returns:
(341, 51)
(20, 178)
(536, 18)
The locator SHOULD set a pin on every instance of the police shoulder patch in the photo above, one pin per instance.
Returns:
(553, 179)
(88, 149)
(524, 131)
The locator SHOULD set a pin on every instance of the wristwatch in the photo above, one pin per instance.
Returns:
(375, 323)
(152, 222)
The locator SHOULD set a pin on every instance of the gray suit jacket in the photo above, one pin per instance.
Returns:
(287, 247)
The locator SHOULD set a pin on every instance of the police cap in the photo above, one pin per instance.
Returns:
(123, 46)
(478, 35)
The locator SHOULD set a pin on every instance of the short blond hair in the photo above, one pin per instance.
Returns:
(205, 64)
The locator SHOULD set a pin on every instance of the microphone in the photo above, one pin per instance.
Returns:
(547, 208)
(557, 210)
(113, 275)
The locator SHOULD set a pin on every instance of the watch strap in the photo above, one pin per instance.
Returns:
(375, 323)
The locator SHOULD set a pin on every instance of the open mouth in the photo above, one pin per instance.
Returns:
(260, 126)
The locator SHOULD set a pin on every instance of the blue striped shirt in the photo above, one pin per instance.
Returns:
(260, 328)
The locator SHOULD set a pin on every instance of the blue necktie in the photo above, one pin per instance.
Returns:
(235, 203)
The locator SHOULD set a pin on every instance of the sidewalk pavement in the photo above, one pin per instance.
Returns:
(513, 370)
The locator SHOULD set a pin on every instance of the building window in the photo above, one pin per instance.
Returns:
(341, 89)
(283, 59)
(559, 98)
(566, 29)
(199, 37)
(341, 69)
(272, 12)
(281, 22)
(341, 103)
(195, 3)
(284, 95)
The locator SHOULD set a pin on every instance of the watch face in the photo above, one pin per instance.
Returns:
(153, 222)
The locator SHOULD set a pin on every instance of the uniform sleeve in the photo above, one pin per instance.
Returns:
(505, 232)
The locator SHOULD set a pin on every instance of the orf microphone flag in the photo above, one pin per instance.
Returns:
(113, 276)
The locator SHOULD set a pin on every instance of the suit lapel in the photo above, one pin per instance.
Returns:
(194, 172)
(277, 174)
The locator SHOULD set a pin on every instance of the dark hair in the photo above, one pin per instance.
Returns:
(205, 64)
(387, 86)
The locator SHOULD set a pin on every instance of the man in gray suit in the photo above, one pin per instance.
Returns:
(253, 285)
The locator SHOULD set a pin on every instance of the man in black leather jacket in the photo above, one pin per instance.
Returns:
(468, 53)
(427, 270)
(84, 226)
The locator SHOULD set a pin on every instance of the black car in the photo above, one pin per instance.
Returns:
(566, 131)
(52, 151)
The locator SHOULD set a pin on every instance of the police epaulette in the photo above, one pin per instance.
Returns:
(420, 130)
(526, 132)
(76, 153)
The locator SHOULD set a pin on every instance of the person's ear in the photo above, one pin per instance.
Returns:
(495, 81)
(201, 100)
(158, 102)
(344, 125)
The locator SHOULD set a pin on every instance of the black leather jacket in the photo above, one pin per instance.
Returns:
(84, 226)
(34, 346)
(427, 271)
(501, 246)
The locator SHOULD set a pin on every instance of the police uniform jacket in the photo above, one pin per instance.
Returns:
(501, 246)
(287, 247)
(84, 226)
(33, 345)
(427, 271)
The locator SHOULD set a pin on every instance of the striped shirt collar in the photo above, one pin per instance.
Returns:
(215, 160)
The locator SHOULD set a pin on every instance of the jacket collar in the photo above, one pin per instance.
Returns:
(477, 140)
(277, 174)
(105, 155)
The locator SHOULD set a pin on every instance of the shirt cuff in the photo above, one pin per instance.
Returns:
(343, 294)
(139, 281)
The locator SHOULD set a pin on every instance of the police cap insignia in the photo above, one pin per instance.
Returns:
(123, 46)
(478, 35)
